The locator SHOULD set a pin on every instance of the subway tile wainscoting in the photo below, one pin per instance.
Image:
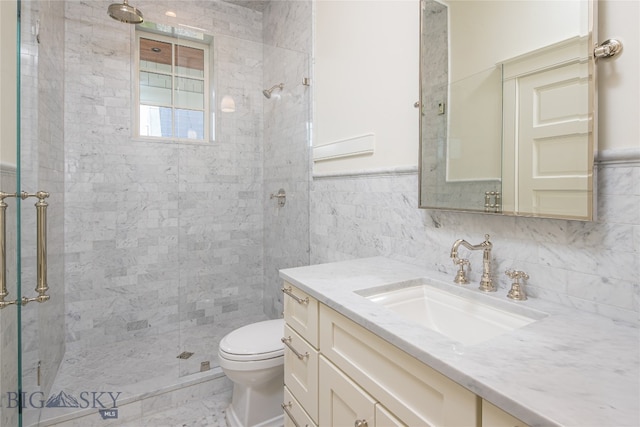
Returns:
(592, 266)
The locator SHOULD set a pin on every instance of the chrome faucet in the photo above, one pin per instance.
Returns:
(486, 282)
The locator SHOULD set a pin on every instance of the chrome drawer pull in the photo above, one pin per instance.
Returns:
(286, 407)
(289, 292)
(287, 342)
(361, 423)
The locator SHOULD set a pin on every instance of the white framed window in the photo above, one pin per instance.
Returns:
(172, 87)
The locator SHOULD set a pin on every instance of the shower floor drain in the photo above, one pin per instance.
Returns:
(185, 355)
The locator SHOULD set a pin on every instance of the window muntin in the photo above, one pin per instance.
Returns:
(172, 88)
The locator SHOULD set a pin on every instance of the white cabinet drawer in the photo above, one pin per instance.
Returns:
(301, 371)
(414, 392)
(386, 419)
(294, 414)
(301, 313)
(342, 402)
(492, 416)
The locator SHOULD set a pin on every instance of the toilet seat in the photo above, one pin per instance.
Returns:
(257, 341)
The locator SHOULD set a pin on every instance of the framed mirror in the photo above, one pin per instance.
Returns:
(508, 107)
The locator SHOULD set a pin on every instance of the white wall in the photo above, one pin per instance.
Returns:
(618, 78)
(366, 80)
(353, 41)
(8, 83)
(484, 33)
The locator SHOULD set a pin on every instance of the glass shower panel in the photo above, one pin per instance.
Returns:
(286, 166)
(220, 205)
(10, 372)
(40, 167)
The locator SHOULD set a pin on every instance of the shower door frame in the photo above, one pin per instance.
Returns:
(10, 315)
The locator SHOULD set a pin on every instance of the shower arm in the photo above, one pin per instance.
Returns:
(267, 92)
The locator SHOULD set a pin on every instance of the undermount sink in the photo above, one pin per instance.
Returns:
(464, 319)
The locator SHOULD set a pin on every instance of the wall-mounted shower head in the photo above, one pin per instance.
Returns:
(124, 13)
(267, 92)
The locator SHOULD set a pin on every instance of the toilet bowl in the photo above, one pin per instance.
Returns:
(252, 357)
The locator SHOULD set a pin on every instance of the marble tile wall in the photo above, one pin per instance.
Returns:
(592, 266)
(287, 50)
(160, 235)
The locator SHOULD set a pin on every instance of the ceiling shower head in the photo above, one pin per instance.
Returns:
(267, 92)
(124, 13)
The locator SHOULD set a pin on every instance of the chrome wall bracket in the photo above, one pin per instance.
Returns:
(607, 49)
(41, 248)
(492, 201)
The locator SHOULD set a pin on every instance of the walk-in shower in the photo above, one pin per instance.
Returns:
(157, 247)
(267, 92)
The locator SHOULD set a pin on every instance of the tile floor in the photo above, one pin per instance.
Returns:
(203, 413)
(147, 371)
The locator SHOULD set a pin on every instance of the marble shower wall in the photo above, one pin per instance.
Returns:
(287, 52)
(160, 235)
(592, 266)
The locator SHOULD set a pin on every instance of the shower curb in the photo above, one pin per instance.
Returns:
(200, 386)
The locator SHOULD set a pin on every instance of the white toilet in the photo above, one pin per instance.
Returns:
(252, 357)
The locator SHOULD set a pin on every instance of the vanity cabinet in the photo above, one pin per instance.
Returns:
(295, 415)
(492, 416)
(342, 402)
(413, 392)
(338, 373)
(300, 357)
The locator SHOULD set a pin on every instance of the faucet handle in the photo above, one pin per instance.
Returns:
(517, 292)
(516, 274)
(461, 275)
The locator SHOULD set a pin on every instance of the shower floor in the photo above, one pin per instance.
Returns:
(142, 369)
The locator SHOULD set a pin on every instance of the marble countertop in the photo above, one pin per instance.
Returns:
(570, 368)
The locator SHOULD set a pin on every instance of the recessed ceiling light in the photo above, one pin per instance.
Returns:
(170, 13)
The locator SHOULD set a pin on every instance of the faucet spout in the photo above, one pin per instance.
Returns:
(486, 282)
(462, 242)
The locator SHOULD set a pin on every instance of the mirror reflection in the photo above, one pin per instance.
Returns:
(507, 107)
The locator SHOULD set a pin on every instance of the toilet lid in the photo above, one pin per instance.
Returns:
(259, 340)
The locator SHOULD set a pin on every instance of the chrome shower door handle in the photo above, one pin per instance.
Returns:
(41, 248)
(3, 250)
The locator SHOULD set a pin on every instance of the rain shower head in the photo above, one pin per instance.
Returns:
(267, 92)
(124, 13)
